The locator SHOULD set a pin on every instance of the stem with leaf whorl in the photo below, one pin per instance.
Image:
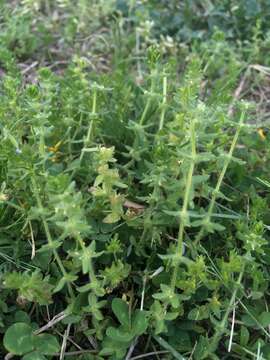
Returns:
(48, 233)
(184, 214)
(220, 179)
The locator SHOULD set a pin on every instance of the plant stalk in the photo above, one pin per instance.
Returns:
(92, 275)
(184, 215)
(220, 179)
(157, 139)
(48, 234)
(148, 103)
(220, 331)
(164, 100)
(90, 129)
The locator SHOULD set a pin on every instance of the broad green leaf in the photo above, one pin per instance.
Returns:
(139, 322)
(18, 339)
(171, 315)
(266, 351)
(199, 313)
(202, 349)
(244, 336)
(120, 334)
(35, 355)
(111, 347)
(46, 344)
(22, 317)
(264, 319)
(249, 321)
(120, 310)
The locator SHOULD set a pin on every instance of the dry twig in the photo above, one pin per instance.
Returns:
(51, 323)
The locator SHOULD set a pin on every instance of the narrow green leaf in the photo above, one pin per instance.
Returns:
(168, 347)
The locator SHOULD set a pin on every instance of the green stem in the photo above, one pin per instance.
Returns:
(90, 129)
(139, 67)
(92, 275)
(161, 123)
(148, 103)
(222, 328)
(164, 100)
(42, 147)
(183, 218)
(77, 128)
(48, 233)
(136, 144)
(220, 179)
(48, 8)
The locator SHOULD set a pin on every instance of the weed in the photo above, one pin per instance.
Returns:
(133, 201)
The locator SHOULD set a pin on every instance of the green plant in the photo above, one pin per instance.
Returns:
(133, 201)
(19, 339)
(133, 324)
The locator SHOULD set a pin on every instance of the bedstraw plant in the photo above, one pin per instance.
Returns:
(133, 214)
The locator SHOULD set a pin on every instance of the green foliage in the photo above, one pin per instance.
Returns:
(31, 287)
(134, 184)
(132, 325)
(116, 273)
(19, 339)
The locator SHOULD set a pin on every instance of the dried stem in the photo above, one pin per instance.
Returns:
(57, 318)
(64, 343)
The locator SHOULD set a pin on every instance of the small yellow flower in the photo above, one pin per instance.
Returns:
(173, 138)
(55, 148)
(261, 133)
(215, 301)
(3, 197)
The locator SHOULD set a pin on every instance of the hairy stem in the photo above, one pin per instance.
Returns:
(148, 103)
(90, 128)
(184, 214)
(92, 275)
(220, 179)
(48, 233)
(164, 100)
(222, 328)
(87, 139)
(157, 139)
